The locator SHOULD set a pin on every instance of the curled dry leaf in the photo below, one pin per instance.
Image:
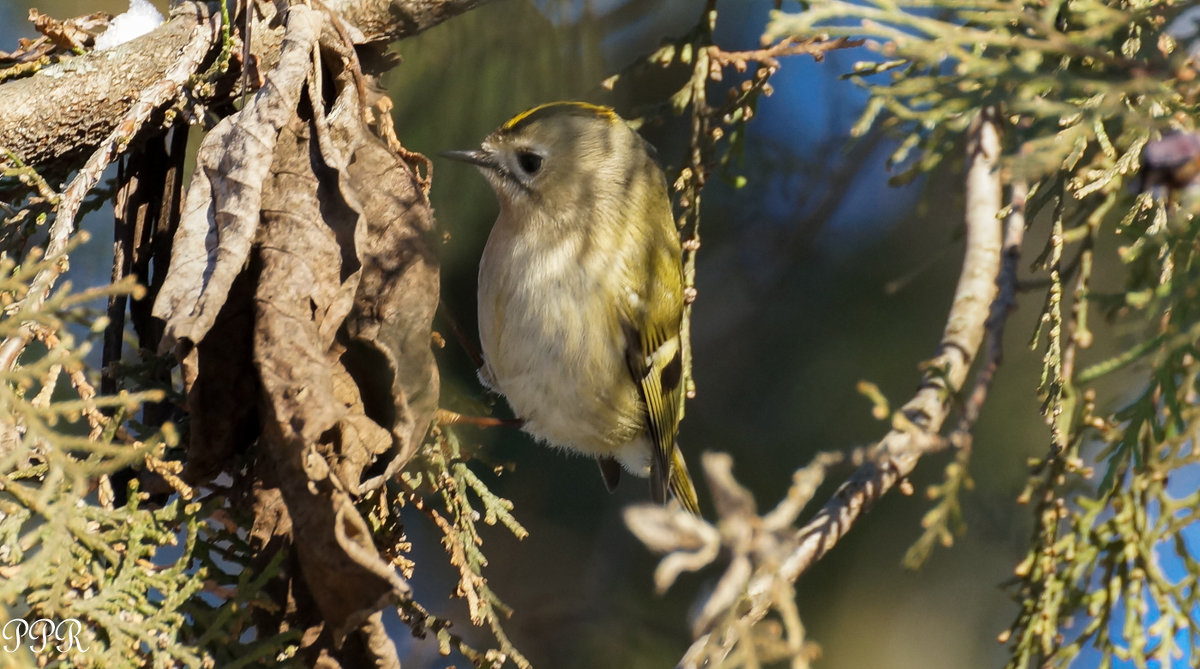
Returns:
(221, 210)
(388, 351)
(317, 430)
(208, 284)
(57, 36)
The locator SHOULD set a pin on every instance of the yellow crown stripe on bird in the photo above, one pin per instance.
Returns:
(550, 108)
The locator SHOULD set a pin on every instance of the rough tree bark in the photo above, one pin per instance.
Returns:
(63, 112)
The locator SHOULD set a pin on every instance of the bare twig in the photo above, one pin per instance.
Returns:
(769, 56)
(460, 335)
(25, 173)
(944, 519)
(1007, 287)
(448, 417)
(768, 554)
(922, 417)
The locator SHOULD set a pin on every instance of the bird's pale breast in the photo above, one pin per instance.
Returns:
(561, 368)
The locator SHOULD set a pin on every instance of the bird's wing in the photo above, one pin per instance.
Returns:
(654, 352)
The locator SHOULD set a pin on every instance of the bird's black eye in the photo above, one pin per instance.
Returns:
(529, 162)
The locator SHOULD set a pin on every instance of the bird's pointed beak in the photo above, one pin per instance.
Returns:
(477, 157)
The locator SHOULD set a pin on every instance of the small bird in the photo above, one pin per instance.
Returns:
(581, 291)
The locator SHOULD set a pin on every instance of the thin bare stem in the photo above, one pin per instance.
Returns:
(759, 576)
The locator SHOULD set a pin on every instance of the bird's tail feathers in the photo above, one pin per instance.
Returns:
(680, 482)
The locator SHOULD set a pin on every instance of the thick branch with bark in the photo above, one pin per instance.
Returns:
(63, 112)
(152, 97)
(390, 20)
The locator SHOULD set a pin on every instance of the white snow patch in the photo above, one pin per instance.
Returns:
(141, 18)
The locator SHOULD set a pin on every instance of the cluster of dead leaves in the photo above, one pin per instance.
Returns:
(299, 300)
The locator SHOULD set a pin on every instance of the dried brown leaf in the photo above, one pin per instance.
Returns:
(328, 346)
(28, 50)
(70, 34)
(221, 210)
(304, 293)
(389, 349)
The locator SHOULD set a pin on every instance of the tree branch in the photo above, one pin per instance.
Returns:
(62, 113)
(767, 554)
(390, 20)
(1006, 299)
(55, 118)
(915, 431)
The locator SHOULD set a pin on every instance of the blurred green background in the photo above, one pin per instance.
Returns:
(812, 277)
